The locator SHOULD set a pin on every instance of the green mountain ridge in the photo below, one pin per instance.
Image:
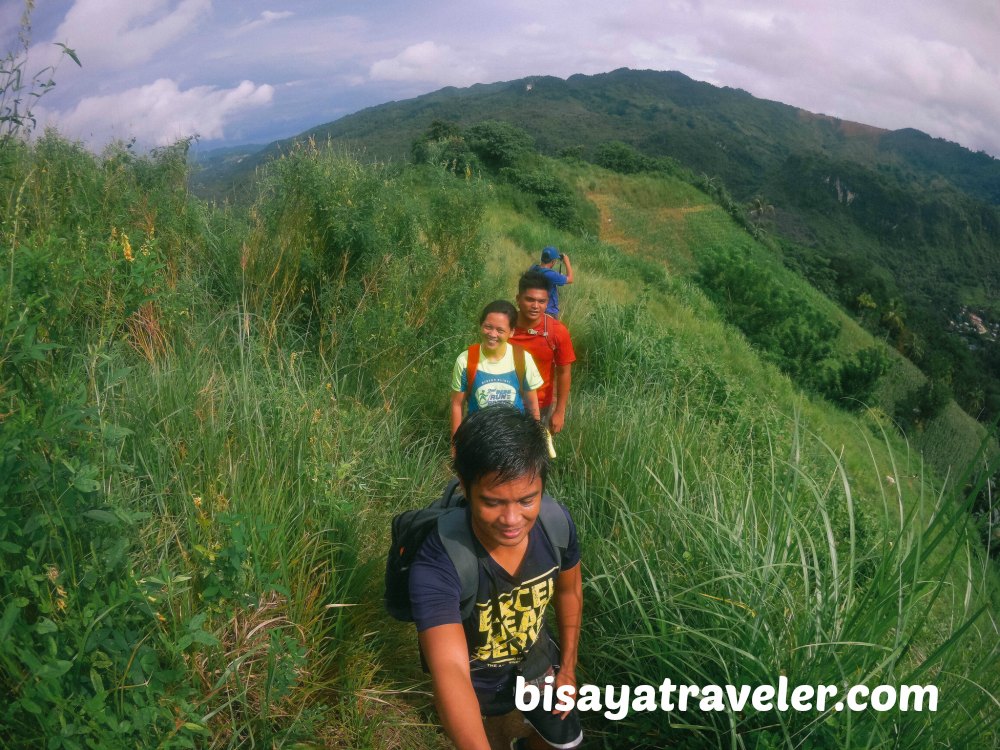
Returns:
(656, 109)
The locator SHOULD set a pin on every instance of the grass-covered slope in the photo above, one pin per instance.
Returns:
(897, 226)
(209, 417)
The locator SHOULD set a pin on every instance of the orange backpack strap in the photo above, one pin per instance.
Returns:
(470, 370)
(545, 332)
(520, 367)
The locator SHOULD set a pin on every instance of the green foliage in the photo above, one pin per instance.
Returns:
(555, 199)
(712, 524)
(620, 157)
(718, 598)
(508, 152)
(77, 655)
(499, 144)
(922, 404)
(788, 329)
(337, 247)
(444, 145)
(853, 385)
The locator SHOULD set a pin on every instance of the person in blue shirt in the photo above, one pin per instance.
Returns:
(549, 257)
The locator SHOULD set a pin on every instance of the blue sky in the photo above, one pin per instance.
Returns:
(254, 71)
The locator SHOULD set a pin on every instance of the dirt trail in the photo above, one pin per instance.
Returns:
(609, 231)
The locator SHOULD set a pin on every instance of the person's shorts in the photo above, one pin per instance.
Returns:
(557, 731)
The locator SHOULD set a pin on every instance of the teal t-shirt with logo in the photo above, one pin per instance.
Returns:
(496, 382)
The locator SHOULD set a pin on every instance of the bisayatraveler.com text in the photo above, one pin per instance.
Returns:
(616, 701)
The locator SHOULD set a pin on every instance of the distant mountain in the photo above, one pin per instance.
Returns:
(722, 132)
(901, 228)
(212, 169)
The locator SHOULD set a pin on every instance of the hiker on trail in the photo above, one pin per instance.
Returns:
(501, 373)
(555, 279)
(527, 556)
(549, 343)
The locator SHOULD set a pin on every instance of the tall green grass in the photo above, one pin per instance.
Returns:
(186, 474)
(729, 547)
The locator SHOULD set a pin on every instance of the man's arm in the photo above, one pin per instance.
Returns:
(569, 269)
(569, 613)
(530, 403)
(563, 380)
(447, 655)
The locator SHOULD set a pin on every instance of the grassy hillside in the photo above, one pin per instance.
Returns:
(211, 414)
(896, 226)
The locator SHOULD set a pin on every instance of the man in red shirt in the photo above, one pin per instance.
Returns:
(549, 343)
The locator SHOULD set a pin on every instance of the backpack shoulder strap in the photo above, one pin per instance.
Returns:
(555, 524)
(545, 331)
(470, 370)
(520, 367)
(452, 496)
(456, 536)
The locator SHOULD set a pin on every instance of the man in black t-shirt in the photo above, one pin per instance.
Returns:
(501, 459)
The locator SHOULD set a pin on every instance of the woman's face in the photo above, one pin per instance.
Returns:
(494, 332)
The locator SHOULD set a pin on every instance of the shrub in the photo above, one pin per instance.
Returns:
(621, 157)
(555, 198)
(853, 382)
(499, 144)
(922, 404)
(443, 145)
(778, 319)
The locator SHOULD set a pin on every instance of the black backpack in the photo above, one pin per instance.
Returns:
(447, 514)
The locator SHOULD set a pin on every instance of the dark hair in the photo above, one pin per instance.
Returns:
(500, 306)
(499, 439)
(532, 280)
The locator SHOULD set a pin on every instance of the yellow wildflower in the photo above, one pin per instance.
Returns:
(127, 248)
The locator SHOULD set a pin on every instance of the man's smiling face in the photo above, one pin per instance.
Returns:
(504, 512)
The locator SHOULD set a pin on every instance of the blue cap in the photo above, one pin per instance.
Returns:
(550, 253)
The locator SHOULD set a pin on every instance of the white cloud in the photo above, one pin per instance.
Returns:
(426, 62)
(265, 18)
(120, 34)
(159, 113)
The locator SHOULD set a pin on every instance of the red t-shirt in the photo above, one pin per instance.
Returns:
(549, 345)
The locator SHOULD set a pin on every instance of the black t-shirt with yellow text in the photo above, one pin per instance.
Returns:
(509, 615)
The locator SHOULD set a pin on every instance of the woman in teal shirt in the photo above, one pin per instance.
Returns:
(498, 377)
